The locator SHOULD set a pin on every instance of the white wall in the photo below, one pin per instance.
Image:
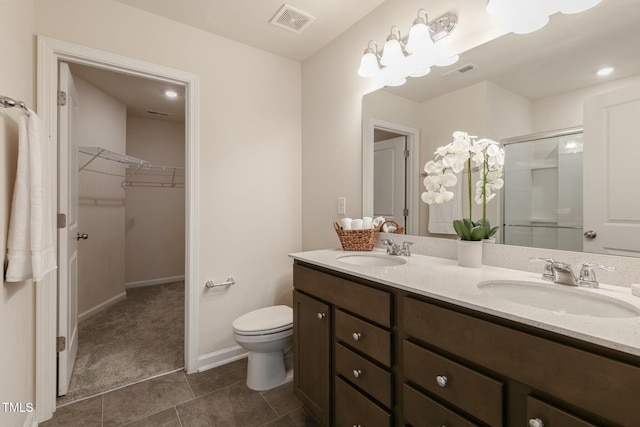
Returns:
(155, 221)
(17, 300)
(249, 158)
(566, 110)
(332, 96)
(101, 122)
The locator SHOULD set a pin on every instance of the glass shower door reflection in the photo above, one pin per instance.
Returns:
(543, 192)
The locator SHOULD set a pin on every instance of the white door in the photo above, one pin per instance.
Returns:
(67, 236)
(611, 150)
(389, 179)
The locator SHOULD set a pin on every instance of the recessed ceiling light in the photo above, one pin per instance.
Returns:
(605, 71)
(170, 93)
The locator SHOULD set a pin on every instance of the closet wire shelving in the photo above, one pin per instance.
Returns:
(138, 172)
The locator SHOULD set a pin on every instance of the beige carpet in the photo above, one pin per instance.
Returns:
(135, 339)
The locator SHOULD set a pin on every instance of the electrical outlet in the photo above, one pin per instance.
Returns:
(342, 205)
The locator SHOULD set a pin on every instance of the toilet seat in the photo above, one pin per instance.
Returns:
(264, 321)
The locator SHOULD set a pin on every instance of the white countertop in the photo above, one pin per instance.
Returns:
(444, 280)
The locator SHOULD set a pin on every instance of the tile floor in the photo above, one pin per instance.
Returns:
(217, 397)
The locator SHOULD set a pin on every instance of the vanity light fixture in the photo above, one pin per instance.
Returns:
(169, 93)
(409, 56)
(527, 16)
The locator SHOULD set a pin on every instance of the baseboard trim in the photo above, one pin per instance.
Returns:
(153, 282)
(30, 421)
(101, 307)
(221, 357)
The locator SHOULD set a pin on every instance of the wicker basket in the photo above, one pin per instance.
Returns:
(399, 229)
(357, 240)
(362, 240)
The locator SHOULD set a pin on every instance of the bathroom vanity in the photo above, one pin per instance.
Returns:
(421, 344)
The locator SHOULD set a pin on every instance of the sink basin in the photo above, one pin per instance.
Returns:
(559, 299)
(372, 260)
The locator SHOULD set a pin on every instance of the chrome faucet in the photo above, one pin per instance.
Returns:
(395, 249)
(562, 273)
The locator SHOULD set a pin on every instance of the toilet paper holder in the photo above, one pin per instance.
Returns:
(210, 284)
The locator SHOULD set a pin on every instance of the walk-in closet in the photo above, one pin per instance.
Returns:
(130, 142)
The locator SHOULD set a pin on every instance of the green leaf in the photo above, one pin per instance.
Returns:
(461, 229)
(477, 233)
(493, 231)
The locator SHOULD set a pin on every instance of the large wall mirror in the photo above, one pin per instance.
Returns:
(529, 89)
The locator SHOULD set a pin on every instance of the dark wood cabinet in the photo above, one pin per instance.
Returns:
(387, 357)
(311, 354)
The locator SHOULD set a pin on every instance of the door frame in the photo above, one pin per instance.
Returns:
(413, 167)
(50, 53)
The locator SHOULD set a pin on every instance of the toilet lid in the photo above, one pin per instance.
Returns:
(264, 320)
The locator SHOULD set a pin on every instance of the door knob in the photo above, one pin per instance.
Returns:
(322, 315)
(536, 422)
(590, 234)
(83, 236)
(442, 380)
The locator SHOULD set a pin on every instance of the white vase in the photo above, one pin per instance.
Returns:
(470, 253)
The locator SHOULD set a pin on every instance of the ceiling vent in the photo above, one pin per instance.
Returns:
(158, 113)
(292, 19)
(460, 71)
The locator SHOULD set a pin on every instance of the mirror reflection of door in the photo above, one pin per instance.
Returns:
(390, 176)
(612, 205)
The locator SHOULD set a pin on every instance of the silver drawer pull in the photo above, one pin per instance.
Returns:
(322, 315)
(442, 380)
(357, 373)
(356, 336)
(536, 422)
(357, 425)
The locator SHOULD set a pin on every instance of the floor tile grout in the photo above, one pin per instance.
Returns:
(102, 393)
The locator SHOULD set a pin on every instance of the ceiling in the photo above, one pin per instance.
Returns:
(138, 94)
(576, 44)
(247, 21)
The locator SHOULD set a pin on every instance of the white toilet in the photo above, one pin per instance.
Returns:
(267, 334)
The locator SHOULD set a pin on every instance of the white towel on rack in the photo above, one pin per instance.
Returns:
(30, 243)
(441, 215)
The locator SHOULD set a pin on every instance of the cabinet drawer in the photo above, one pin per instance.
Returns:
(469, 390)
(364, 374)
(551, 416)
(549, 366)
(420, 411)
(367, 338)
(353, 409)
(363, 300)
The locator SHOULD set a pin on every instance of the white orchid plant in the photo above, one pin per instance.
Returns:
(465, 151)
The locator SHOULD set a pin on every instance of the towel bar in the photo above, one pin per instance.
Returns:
(7, 102)
(210, 284)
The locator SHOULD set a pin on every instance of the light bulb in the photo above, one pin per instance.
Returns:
(368, 64)
(419, 38)
(392, 53)
(602, 72)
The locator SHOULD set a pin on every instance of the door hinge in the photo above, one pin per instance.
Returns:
(406, 154)
(62, 98)
(405, 212)
(61, 344)
(62, 220)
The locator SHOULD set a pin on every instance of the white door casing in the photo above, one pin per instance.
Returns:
(413, 169)
(389, 179)
(67, 241)
(611, 202)
(50, 53)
